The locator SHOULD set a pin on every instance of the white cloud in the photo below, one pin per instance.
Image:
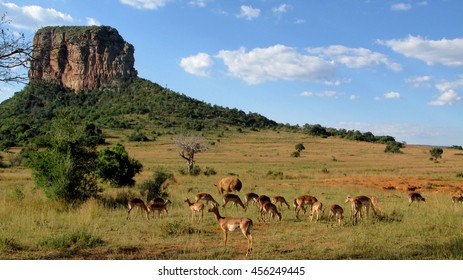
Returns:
(249, 12)
(92, 21)
(419, 81)
(392, 95)
(283, 8)
(327, 93)
(355, 57)
(145, 4)
(444, 51)
(33, 17)
(277, 62)
(198, 3)
(448, 93)
(401, 7)
(354, 97)
(197, 64)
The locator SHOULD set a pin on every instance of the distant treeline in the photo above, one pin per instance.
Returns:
(136, 104)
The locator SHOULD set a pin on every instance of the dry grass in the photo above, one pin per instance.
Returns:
(330, 169)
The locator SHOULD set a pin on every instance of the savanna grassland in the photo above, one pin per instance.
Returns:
(34, 228)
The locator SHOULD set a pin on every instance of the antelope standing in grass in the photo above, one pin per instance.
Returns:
(229, 197)
(281, 200)
(457, 198)
(159, 207)
(137, 203)
(206, 197)
(414, 196)
(268, 208)
(232, 224)
(317, 208)
(302, 202)
(358, 205)
(336, 212)
(250, 197)
(195, 207)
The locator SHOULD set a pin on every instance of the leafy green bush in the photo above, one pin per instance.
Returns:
(209, 171)
(64, 170)
(393, 147)
(295, 154)
(436, 153)
(115, 165)
(157, 185)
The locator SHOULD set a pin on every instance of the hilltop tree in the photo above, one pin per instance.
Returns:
(188, 146)
(15, 52)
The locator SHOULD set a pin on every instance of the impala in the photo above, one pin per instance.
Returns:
(336, 212)
(302, 202)
(269, 208)
(456, 199)
(159, 207)
(359, 203)
(195, 207)
(233, 198)
(137, 203)
(250, 197)
(317, 208)
(232, 224)
(281, 200)
(366, 203)
(414, 196)
(206, 197)
(261, 200)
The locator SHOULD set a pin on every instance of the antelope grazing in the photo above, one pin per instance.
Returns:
(302, 202)
(269, 208)
(336, 212)
(232, 224)
(233, 198)
(160, 207)
(195, 207)
(206, 197)
(262, 199)
(281, 200)
(137, 203)
(414, 196)
(250, 197)
(359, 203)
(317, 208)
(456, 199)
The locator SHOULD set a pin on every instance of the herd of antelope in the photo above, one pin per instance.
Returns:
(267, 207)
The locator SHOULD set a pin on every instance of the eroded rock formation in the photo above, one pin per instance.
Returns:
(81, 57)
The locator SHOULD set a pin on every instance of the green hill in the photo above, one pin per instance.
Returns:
(135, 104)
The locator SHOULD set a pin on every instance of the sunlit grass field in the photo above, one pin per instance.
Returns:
(34, 228)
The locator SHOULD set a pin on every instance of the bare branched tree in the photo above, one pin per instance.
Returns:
(188, 146)
(15, 52)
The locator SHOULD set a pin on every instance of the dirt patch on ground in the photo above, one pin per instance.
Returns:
(405, 183)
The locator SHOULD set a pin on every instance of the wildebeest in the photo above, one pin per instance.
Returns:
(229, 184)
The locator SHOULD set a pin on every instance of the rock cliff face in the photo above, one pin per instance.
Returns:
(81, 57)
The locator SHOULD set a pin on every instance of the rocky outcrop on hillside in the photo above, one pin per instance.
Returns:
(81, 57)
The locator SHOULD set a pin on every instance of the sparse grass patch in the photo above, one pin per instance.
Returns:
(78, 239)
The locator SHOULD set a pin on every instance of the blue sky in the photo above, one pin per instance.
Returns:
(389, 67)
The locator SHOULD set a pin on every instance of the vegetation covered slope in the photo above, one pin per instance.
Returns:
(28, 113)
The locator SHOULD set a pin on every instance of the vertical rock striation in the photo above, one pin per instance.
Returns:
(81, 57)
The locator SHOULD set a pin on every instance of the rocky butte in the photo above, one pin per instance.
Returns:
(81, 57)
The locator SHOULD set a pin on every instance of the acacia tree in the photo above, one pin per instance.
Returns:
(188, 146)
(15, 52)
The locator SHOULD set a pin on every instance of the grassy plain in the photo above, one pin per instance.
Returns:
(330, 169)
